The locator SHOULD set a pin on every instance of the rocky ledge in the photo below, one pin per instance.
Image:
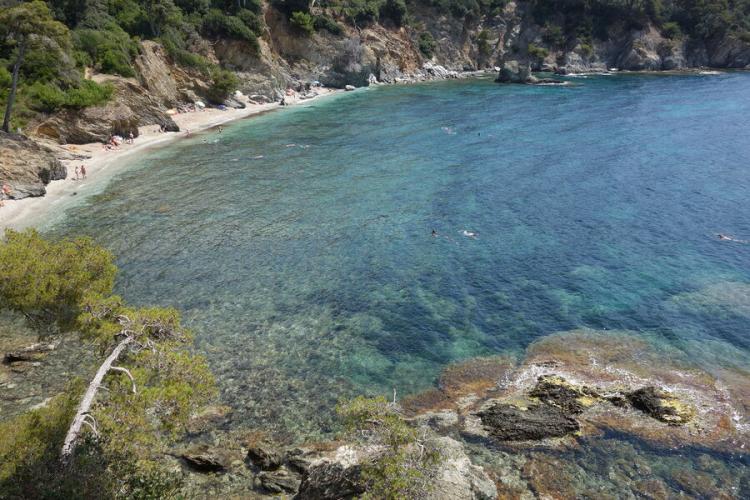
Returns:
(583, 383)
(26, 166)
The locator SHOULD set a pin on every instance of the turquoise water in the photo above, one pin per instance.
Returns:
(298, 244)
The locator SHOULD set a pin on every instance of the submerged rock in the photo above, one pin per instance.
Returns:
(30, 354)
(507, 422)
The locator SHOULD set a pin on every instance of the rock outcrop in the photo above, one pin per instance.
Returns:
(26, 166)
(514, 71)
(508, 422)
(131, 107)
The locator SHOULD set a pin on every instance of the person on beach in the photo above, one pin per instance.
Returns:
(130, 138)
(4, 193)
(83, 171)
(76, 173)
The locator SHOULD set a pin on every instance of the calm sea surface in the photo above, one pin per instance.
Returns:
(298, 244)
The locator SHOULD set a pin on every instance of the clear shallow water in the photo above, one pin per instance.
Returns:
(310, 273)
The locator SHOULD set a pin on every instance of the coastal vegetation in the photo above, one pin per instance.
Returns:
(49, 48)
(107, 436)
(406, 457)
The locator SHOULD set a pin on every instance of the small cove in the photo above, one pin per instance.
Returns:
(298, 244)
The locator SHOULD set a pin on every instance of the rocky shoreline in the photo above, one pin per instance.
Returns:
(504, 427)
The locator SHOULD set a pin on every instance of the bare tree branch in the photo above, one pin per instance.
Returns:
(126, 372)
(88, 399)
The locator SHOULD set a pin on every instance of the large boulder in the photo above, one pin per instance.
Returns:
(26, 166)
(203, 458)
(514, 71)
(130, 107)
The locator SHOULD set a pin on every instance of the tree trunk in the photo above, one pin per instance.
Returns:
(14, 84)
(88, 398)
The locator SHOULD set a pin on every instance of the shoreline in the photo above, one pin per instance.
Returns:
(102, 165)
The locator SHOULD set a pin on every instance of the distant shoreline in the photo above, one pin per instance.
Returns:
(102, 165)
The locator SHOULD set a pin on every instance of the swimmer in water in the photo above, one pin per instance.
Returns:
(724, 237)
(434, 234)
(469, 234)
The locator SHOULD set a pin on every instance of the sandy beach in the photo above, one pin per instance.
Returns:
(102, 165)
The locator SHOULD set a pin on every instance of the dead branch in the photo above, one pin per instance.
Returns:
(88, 399)
(126, 372)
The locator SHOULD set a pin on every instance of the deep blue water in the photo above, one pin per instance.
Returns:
(311, 273)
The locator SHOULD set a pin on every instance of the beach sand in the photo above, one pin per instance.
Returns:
(102, 164)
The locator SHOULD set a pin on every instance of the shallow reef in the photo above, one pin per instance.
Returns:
(589, 411)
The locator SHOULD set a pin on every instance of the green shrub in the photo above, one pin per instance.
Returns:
(426, 44)
(130, 16)
(255, 6)
(483, 44)
(290, 6)
(252, 21)
(89, 93)
(223, 83)
(326, 23)
(362, 12)
(671, 30)
(200, 7)
(5, 77)
(536, 51)
(45, 97)
(395, 10)
(110, 50)
(48, 279)
(176, 50)
(553, 35)
(217, 24)
(302, 22)
(744, 36)
(586, 50)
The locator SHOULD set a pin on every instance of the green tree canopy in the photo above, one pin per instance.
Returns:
(46, 281)
(24, 26)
